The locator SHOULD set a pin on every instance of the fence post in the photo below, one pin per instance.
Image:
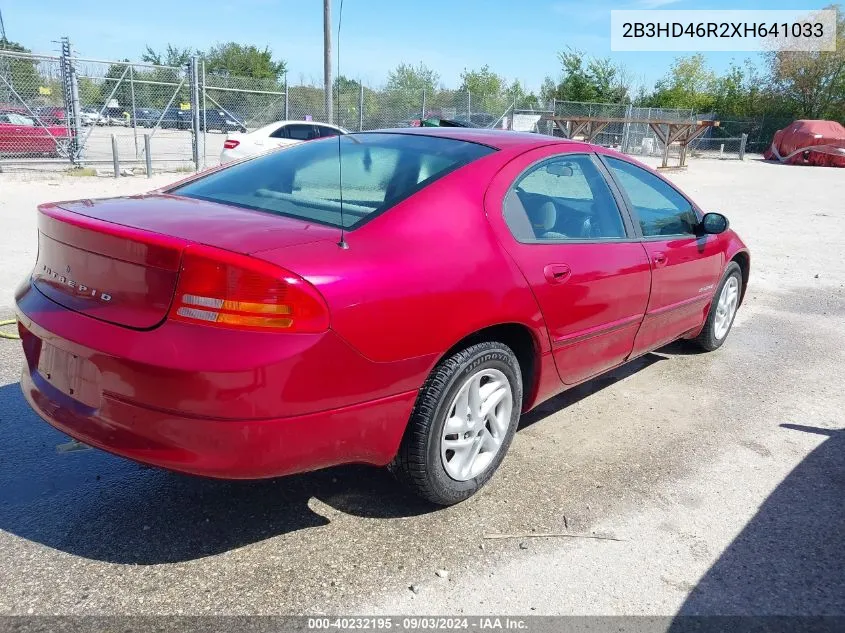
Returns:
(70, 95)
(469, 103)
(626, 132)
(742, 142)
(360, 105)
(423, 104)
(134, 118)
(204, 116)
(115, 159)
(147, 157)
(193, 75)
(287, 92)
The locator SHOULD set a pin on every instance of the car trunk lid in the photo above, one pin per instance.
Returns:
(118, 259)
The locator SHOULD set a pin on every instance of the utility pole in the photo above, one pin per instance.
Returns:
(327, 58)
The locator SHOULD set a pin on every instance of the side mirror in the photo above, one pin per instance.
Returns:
(714, 223)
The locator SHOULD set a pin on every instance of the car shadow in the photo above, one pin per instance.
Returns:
(789, 558)
(592, 386)
(98, 506)
(85, 502)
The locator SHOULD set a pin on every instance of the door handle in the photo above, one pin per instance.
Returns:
(557, 273)
(659, 259)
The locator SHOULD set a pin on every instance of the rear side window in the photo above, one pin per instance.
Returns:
(560, 199)
(279, 133)
(303, 181)
(326, 132)
(301, 132)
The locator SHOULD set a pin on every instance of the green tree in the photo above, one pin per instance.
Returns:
(576, 84)
(482, 83)
(117, 75)
(412, 79)
(171, 56)
(610, 82)
(812, 81)
(347, 96)
(690, 83)
(22, 74)
(233, 59)
(585, 78)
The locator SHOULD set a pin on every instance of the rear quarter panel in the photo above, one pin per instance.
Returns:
(421, 276)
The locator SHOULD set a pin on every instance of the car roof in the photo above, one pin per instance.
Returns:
(277, 124)
(500, 139)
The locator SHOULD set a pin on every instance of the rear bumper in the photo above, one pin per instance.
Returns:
(207, 401)
(365, 433)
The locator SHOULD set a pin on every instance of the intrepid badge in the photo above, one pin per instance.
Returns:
(80, 288)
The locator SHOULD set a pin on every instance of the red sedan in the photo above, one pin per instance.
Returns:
(262, 320)
(21, 135)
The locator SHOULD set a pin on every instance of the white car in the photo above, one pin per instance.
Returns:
(274, 135)
(92, 116)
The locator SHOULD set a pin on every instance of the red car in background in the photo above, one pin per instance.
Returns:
(51, 115)
(260, 320)
(22, 136)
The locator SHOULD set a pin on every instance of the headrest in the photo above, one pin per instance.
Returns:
(543, 218)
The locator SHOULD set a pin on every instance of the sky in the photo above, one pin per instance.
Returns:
(518, 40)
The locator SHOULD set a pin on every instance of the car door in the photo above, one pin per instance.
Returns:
(7, 135)
(568, 232)
(686, 263)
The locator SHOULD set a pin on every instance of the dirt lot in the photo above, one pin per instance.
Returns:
(723, 475)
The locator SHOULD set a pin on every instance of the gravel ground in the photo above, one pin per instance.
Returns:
(721, 475)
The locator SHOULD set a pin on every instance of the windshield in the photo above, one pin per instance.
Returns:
(379, 170)
(16, 119)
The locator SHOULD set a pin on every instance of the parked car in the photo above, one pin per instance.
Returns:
(477, 119)
(51, 115)
(256, 321)
(145, 117)
(23, 136)
(275, 135)
(116, 116)
(150, 117)
(174, 119)
(92, 116)
(213, 120)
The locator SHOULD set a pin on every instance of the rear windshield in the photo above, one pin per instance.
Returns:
(303, 181)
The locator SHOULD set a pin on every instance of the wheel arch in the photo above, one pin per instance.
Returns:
(523, 341)
(743, 260)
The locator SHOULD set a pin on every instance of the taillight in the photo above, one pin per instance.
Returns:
(231, 144)
(234, 291)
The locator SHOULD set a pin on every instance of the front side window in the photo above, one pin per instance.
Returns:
(303, 181)
(660, 208)
(564, 198)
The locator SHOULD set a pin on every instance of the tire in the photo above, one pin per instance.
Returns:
(712, 336)
(62, 148)
(423, 464)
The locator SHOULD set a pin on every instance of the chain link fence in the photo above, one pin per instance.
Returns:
(63, 111)
(32, 108)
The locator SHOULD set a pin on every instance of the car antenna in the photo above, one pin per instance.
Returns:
(342, 243)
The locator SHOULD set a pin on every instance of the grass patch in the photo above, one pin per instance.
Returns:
(84, 171)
